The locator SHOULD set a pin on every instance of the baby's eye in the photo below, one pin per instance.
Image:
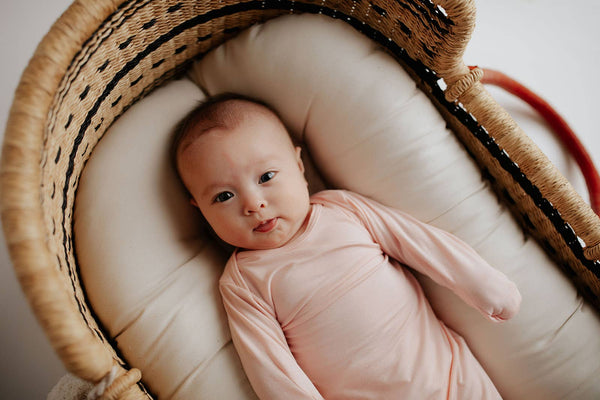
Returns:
(266, 177)
(223, 196)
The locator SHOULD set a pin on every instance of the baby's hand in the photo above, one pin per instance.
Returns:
(495, 297)
(505, 301)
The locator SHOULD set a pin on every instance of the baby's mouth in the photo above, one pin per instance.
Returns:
(266, 226)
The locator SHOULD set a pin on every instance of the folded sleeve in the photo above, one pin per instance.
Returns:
(443, 257)
(261, 345)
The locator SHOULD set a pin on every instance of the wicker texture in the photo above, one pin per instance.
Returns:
(102, 56)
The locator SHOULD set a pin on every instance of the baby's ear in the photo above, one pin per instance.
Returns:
(193, 202)
(299, 158)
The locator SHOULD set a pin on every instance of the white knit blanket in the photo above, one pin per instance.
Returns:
(70, 387)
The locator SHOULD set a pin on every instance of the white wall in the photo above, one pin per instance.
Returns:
(550, 45)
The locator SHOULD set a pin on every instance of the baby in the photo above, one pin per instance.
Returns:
(318, 303)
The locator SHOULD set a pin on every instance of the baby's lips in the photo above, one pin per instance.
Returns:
(266, 226)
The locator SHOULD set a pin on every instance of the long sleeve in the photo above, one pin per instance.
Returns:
(261, 344)
(436, 253)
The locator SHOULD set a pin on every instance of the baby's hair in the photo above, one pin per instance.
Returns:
(219, 111)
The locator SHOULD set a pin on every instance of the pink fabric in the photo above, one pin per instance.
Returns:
(329, 315)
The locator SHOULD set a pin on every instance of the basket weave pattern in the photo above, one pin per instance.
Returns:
(102, 56)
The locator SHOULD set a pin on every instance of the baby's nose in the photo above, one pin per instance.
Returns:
(254, 205)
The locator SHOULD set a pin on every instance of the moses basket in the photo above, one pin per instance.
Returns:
(101, 57)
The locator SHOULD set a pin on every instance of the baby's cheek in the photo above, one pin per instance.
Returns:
(235, 236)
(218, 227)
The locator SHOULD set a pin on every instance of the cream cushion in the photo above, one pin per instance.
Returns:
(151, 275)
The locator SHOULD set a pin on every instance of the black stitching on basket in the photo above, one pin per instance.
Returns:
(99, 125)
(428, 51)
(428, 14)
(158, 63)
(404, 28)
(379, 10)
(180, 49)
(57, 156)
(105, 31)
(439, 27)
(149, 24)
(103, 66)
(174, 8)
(126, 43)
(53, 190)
(69, 121)
(204, 38)
(139, 78)
(114, 103)
(84, 93)
(408, 8)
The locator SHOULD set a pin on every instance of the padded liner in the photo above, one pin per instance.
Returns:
(151, 275)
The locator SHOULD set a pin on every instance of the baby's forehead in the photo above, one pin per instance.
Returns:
(231, 113)
(228, 115)
(238, 115)
(261, 131)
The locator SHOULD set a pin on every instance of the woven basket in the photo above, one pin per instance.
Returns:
(100, 57)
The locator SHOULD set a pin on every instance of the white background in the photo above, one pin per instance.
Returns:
(550, 45)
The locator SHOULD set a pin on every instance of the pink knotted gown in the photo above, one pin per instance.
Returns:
(330, 315)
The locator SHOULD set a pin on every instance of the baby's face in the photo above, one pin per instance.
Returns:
(248, 182)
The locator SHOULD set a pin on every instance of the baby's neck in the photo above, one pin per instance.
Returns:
(304, 225)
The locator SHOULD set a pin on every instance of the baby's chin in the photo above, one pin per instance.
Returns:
(261, 246)
(271, 241)
(268, 243)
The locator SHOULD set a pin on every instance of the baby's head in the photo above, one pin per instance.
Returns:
(237, 161)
